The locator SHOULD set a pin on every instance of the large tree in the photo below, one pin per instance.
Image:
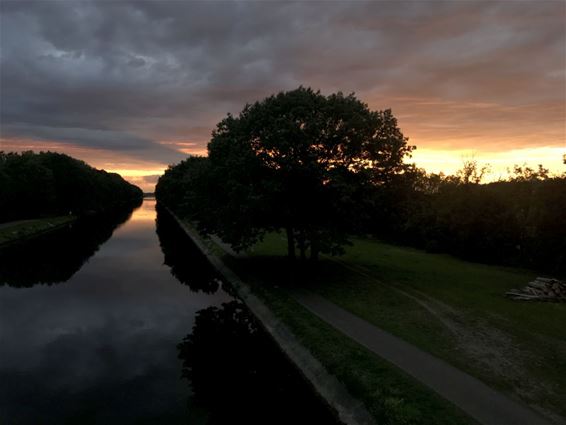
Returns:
(301, 162)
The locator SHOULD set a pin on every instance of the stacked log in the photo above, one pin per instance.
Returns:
(540, 289)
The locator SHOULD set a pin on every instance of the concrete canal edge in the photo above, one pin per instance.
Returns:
(348, 409)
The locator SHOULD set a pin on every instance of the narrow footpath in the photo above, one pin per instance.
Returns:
(487, 406)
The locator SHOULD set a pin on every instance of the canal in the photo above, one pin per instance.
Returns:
(120, 319)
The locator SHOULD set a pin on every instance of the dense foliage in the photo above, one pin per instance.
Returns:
(520, 221)
(46, 183)
(297, 161)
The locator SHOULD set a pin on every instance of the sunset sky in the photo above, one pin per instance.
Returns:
(131, 86)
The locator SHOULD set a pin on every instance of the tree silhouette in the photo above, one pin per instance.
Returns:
(297, 161)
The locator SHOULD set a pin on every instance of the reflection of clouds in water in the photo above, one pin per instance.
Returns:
(104, 373)
(96, 358)
(112, 287)
(144, 213)
(95, 354)
(105, 339)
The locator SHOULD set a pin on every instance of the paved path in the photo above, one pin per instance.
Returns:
(482, 403)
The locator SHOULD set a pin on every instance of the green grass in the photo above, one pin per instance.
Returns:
(30, 228)
(390, 396)
(452, 308)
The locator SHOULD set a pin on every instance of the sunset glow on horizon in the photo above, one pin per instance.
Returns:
(432, 160)
(466, 80)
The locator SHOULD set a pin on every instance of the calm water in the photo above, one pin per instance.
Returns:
(118, 320)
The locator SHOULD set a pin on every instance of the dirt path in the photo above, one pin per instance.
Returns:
(482, 403)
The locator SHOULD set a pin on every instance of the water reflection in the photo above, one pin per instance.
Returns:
(55, 257)
(180, 254)
(100, 349)
(238, 374)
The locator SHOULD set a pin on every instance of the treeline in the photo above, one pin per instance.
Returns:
(520, 221)
(47, 183)
(323, 168)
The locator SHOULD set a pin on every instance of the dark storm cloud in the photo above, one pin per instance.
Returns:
(93, 138)
(122, 75)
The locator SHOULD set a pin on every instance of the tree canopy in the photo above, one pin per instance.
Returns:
(297, 161)
(518, 221)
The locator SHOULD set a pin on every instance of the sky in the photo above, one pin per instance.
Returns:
(132, 86)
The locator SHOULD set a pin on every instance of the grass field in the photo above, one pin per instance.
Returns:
(454, 309)
(390, 396)
(28, 228)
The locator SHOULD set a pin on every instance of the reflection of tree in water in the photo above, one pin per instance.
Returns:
(186, 261)
(239, 375)
(55, 257)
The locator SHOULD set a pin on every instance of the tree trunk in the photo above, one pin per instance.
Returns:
(314, 247)
(302, 245)
(290, 243)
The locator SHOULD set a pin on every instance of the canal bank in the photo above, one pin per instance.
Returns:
(22, 230)
(348, 409)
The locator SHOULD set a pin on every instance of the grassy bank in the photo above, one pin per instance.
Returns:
(15, 231)
(390, 396)
(453, 309)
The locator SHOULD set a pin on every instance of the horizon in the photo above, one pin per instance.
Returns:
(465, 79)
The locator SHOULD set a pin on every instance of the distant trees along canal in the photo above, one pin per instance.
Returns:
(48, 183)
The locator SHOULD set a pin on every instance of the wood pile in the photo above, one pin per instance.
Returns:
(540, 289)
